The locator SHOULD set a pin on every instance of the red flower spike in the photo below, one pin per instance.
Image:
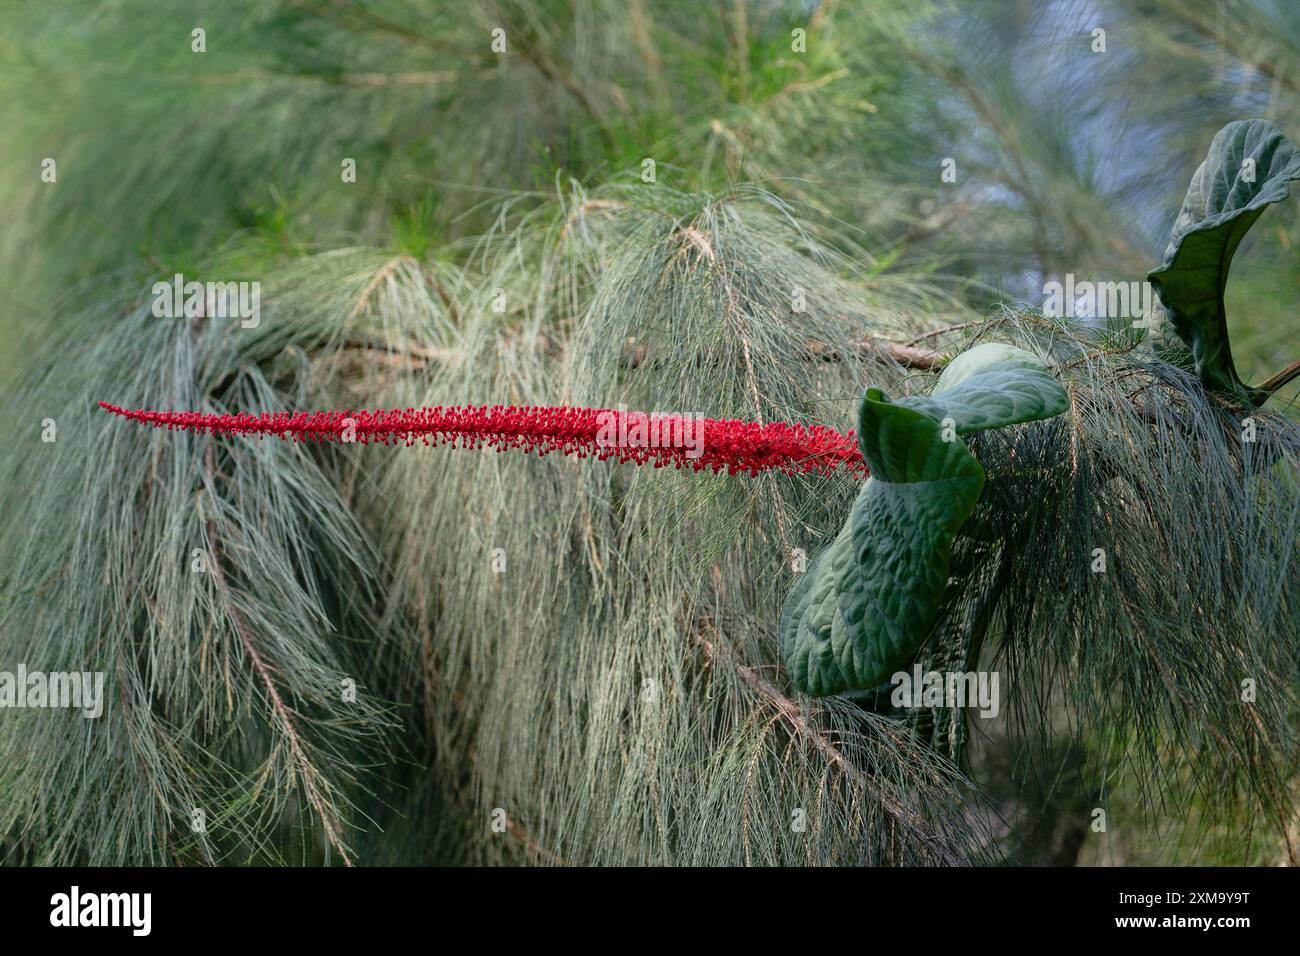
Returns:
(600, 433)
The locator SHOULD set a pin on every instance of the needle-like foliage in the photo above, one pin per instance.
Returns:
(346, 653)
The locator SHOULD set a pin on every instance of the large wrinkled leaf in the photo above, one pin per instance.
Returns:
(1250, 165)
(870, 599)
(855, 616)
(990, 386)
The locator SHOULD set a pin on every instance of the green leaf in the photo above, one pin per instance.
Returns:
(1250, 165)
(990, 386)
(870, 599)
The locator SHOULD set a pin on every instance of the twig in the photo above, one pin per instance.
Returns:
(517, 830)
(1226, 37)
(794, 717)
(553, 73)
(348, 15)
(425, 78)
(907, 355)
(945, 329)
(1292, 371)
(635, 353)
(445, 296)
(396, 351)
(283, 712)
(376, 281)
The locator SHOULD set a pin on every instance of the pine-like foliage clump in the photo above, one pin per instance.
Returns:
(346, 653)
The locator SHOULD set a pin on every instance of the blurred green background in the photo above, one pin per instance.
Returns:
(1068, 158)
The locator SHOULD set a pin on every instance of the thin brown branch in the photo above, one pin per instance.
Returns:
(1230, 37)
(805, 86)
(934, 333)
(1282, 378)
(416, 78)
(819, 14)
(520, 833)
(376, 281)
(555, 74)
(634, 353)
(285, 715)
(353, 15)
(448, 302)
(407, 353)
(795, 719)
(642, 37)
(906, 355)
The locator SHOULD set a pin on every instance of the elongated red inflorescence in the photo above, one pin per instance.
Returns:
(681, 441)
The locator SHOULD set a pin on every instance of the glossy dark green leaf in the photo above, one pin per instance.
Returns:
(870, 599)
(1250, 165)
(990, 386)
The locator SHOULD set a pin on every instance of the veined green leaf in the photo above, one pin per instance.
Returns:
(1249, 166)
(870, 599)
(990, 386)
